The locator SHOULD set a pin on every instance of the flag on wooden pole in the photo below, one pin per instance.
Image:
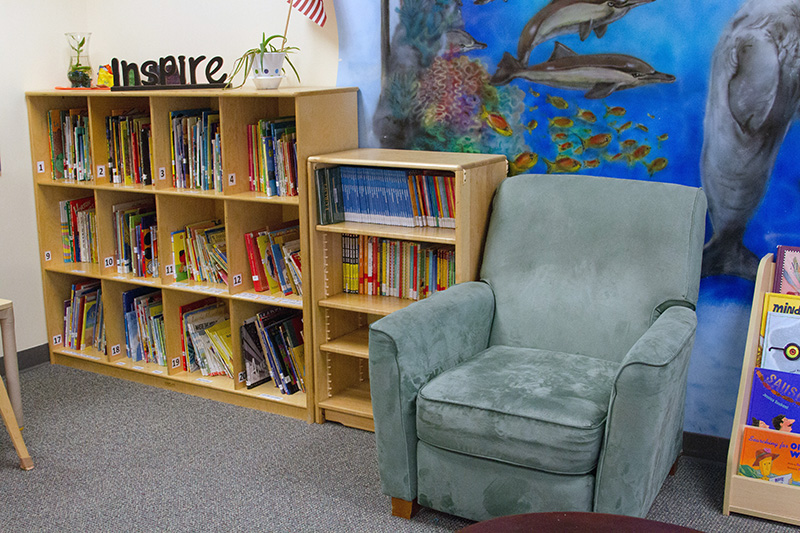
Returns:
(313, 9)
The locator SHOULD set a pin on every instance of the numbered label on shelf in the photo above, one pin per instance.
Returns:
(156, 371)
(162, 173)
(40, 167)
(138, 367)
(116, 350)
(242, 377)
(231, 179)
(101, 171)
(108, 262)
(48, 256)
(57, 340)
(121, 363)
(169, 270)
(237, 280)
(204, 380)
(176, 362)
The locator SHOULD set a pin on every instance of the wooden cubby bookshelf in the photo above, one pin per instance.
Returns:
(340, 321)
(326, 120)
(744, 495)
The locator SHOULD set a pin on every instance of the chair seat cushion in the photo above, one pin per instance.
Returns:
(534, 408)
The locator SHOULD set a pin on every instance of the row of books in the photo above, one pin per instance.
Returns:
(771, 441)
(78, 230)
(272, 156)
(196, 144)
(143, 317)
(83, 317)
(130, 147)
(135, 238)
(199, 252)
(395, 197)
(70, 149)
(274, 257)
(273, 348)
(206, 338)
(389, 267)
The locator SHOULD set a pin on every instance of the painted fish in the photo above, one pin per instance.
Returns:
(562, 17)
(586, 116)
(615, 111)
(600, 75)
(557, 102)
(623, 127)
(565, 146)
(523, 162)
(561, 122)
(643, 127)
(656, 165)
(592, 163)
(531, 125)
(560, 136)
(601, 140)
(562, 165)
(629, 144)
(640, 153)
(497, 122)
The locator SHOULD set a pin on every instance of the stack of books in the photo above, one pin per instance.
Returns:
(79, 230)
(205, 338)
(390, 267)
(196, 144)
(273, 348)
(199, 252)
(388, 196)
(70, 148)
(274, 256)
(272, 156)
(135, 238)
(83, 317)
(130, 147)
(143, 314)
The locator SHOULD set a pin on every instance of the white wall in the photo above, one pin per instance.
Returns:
(35, 56)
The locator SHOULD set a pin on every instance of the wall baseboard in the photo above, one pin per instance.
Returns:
(30, 357)
(705, 446)
(694, 444)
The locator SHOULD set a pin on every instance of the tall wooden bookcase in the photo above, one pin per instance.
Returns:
(340, 320)
(744, 495)
(326, 120)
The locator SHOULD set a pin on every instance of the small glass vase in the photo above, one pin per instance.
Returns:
(80, 68)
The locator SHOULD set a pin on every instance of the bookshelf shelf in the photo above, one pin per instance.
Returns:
(317, 111)
(744, 495)
(341, 320)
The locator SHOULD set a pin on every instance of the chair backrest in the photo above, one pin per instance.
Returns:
(580, 263)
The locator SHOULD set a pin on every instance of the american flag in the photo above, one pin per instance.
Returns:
(313, 9)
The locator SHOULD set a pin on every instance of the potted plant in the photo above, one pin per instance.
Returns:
(266, 63)
(80, 71)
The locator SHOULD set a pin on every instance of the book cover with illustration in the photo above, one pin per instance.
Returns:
(770, 455)
(781, 349)
(775, 400)
(787, 270)
(787, 304)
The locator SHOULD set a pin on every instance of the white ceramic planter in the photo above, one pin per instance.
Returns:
(267, 82)
(269, 64)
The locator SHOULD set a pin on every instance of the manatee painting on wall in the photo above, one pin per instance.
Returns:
(698, 93)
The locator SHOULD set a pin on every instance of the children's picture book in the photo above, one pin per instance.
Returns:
(770, 455)
(781, 350)
(775, 400)
(787, 270)
(774, 302)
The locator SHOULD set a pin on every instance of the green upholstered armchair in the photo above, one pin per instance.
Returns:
(557, 382)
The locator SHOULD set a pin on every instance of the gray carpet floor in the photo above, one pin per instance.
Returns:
(112, 455)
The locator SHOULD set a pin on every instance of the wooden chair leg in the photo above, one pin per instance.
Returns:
(674, 469)
(7, 412)
(404, 508)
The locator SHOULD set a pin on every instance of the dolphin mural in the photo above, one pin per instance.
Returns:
(561, 17)
(754, 94)
(598, 74)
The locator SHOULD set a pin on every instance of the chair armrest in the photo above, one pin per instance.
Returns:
(644, 429)
(406, 350)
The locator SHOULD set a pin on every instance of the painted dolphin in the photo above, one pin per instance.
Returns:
(598, 74)
(561, 17)
(459, 41)
(754, 93)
